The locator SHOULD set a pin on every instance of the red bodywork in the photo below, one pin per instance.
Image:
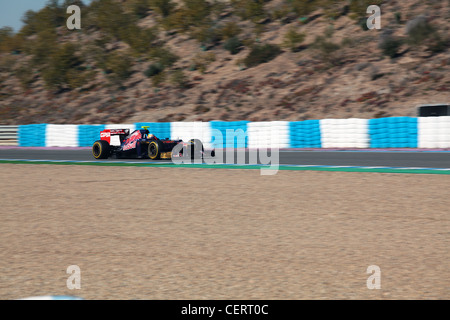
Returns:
(106, 134)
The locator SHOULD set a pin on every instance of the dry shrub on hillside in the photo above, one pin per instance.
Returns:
(261, 53)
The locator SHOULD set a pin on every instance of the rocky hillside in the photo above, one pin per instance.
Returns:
(192, 60)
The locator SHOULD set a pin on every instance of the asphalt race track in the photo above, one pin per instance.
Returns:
(419, 159)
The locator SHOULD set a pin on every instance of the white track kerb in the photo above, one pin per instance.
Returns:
(268, 157)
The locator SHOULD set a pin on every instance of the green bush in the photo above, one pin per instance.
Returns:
(230, 30)
(358, 8)
(5, 34)
(233, 45)
(6, 39)
(363, 24)
(197, 10)
(96, 54)
(117, 67)
(51, 16)
(259, 29)
(77, 78)
(329, 31)
(390, 46)
(164, 56)
(333, 11)
(7, 63)
(202, 60)
(439, 44)
(179, 79)
(261, 54)
(419, 30)
(193, 13)
(218, 7)
(140, 8)
(207, 35)
(154, 69)
(281, 12)
(42, 47)
(248, 42)
(303, 8)
(158, 79)
(292, 39)
(163, 7)
(25, 75)
(60, 66)
(421, 33)
(249, 10)
(348, 42)
(120, 65)
(30, 23)
(140, 40)
(327, 50)
(110, 17)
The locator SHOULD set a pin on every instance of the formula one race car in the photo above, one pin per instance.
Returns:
(142, 144)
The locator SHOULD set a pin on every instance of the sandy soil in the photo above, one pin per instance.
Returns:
(164, 233)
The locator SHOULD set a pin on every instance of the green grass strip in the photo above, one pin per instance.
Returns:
(225, 166)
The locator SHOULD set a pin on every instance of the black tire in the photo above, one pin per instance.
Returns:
(101, 149)
(196, 149)
(154, 150)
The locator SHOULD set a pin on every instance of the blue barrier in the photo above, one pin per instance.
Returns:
(159, 129)
(305, 134)
(32, 135)
(395, 132)
(88, 134)
(230, 141)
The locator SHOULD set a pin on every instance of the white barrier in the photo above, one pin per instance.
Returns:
(273, 134)
(344, 133)
(61, 135)
(192, 130)
(434, 132)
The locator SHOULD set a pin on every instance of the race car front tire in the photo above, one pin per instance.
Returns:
(154, 150)
(101, 149)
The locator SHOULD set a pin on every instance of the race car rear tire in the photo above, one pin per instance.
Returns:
(101, 149)
(196, 149)
(154, 150)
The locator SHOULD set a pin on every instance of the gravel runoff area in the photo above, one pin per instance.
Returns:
(166, 233)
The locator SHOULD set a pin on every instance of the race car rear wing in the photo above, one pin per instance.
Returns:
(108, 133)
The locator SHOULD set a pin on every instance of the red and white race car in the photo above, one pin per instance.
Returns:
(142, 144)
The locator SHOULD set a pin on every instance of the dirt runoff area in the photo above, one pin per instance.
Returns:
(166, 233)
